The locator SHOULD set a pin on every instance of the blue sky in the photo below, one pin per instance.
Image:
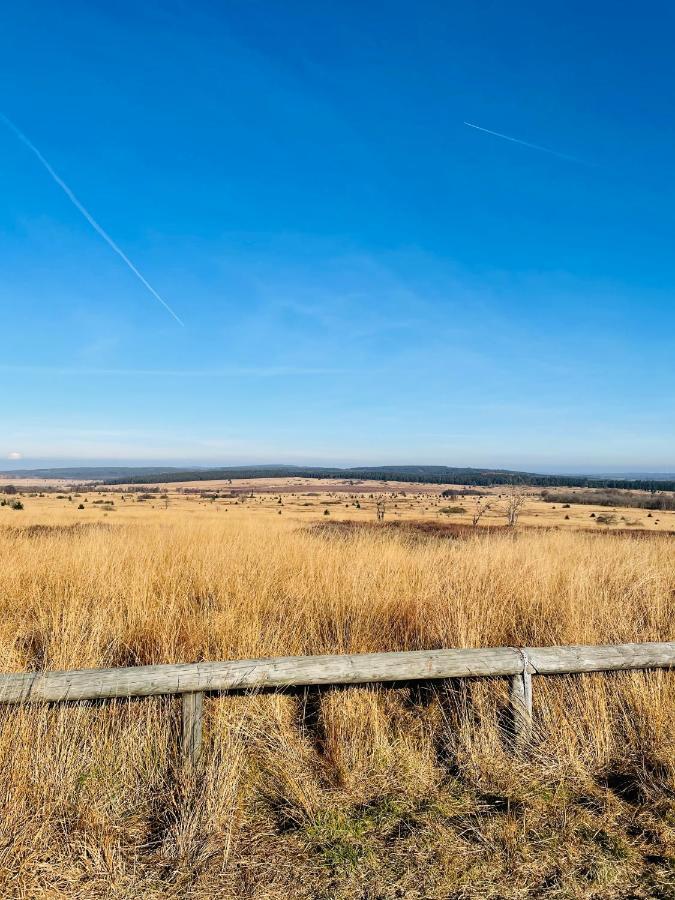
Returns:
(362, 278)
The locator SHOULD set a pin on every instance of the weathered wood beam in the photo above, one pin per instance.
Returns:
(600, 658)
(281, 672)
(145, 681)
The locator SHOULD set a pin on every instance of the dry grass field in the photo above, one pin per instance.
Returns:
(303, 498)
(356, 793)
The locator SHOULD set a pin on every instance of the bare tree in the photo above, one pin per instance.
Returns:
(481, 506)
(515, 500)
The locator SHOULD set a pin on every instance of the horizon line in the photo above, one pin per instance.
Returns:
(172, 465)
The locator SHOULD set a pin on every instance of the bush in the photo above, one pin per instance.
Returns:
(81, 506)
(607, 519)
(16, 504)
(613, 497)
(326, 512)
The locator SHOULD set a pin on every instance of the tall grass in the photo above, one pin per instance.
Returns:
(363, 792)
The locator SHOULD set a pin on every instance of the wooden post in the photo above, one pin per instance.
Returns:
(191, 731)
(521, 705)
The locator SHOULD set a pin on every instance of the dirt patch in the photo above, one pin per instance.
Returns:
(630, 532)
(462, 531)
(450, 530)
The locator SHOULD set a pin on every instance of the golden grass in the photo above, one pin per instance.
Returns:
(358, 793)
(304, 499)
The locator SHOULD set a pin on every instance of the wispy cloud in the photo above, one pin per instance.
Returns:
(87, 215)
(229, 372)
(514, 140)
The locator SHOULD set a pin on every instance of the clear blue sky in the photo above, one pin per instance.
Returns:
(362, 277)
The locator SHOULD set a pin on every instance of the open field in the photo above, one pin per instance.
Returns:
(359, 793)
(303, 499)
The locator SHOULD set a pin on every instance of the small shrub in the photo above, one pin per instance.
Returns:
(80, 506)
(326, 512)
(607, 519)
(16, 504)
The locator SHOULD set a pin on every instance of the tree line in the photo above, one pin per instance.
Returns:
(416, 474)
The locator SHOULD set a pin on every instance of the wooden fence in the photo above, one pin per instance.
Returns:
(193, 680)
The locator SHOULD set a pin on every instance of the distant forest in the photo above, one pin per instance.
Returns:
(441, 475)
(428, 474)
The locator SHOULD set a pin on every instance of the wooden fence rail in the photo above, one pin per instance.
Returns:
(193, 680)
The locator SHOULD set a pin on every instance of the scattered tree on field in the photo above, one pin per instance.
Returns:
(481, 506)
(380, 508)
(515, 500)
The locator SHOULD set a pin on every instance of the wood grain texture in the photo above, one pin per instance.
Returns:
(281, 672)
(601, 658)
(191, 727)
(520, 699)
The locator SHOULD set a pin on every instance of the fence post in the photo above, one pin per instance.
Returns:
(191, 726)
(521, 704)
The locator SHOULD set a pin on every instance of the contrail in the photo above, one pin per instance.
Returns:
(527, 144)
(87, 215)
